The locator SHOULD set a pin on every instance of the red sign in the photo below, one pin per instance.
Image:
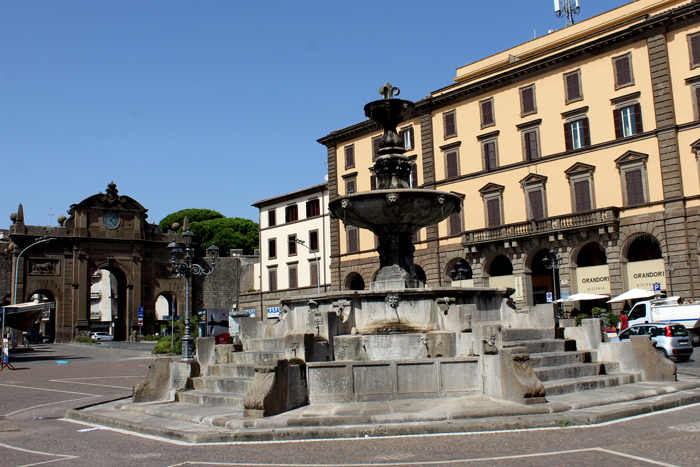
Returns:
(222, 339)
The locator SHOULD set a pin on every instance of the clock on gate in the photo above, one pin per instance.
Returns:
(110, 220)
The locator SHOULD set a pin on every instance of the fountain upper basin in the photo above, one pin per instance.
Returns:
(404, 210)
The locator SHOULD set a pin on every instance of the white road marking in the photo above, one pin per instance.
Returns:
(49, 390)
(62, 457)
(50, 403)
(442, 462)
(90, 384)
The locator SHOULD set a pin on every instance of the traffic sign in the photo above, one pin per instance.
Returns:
(549, 297)
(657, 287)
(140, 316)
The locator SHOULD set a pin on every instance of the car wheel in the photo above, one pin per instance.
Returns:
(683, 358)
(662, 352)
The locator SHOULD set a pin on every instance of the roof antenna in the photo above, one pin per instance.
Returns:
(566, 8)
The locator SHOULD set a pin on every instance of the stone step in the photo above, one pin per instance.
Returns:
(270, 344)
(527, 334)
(544, 345)
(222, 384)
(212, 399)
(567, 386)
(232, 370)
(547, 359)
(254, 357)
(576, 370)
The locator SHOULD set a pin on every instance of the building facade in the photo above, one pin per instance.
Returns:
(581, 144)
(294, 248)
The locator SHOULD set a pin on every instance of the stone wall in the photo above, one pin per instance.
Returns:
(5, 274)
(220, 290)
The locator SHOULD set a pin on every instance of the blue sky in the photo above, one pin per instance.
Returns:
(217, 104)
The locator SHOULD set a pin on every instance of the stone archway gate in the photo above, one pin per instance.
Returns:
(104, 231)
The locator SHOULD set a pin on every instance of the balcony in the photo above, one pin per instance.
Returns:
(607, 218)
(95, 295)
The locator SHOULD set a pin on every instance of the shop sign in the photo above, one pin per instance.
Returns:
(643, 274)
(273, 312)
(593, 279)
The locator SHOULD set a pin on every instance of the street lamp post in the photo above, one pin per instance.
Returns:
(183, 266)
(552, 261)
(14, 289)
(299, 241)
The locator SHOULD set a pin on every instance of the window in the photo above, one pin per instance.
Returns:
(407, 135)
(271, 218)
(313, 269)
(535, 201)
(272, 248)
(492, 195)
(291, 213)
(580, 177)
(353, 241)
(416, 237)
(628, 121)
(531, 147)
(313, 240)
(633, 177)
(292, 245)
(350, 185)
(695, 97)
(452, 163)
(577, 134)
(582, 194)
(349, 157)
(293, 282)
(376, 141)
(489, 152)
(272, 279)
(488, 117)
(450, 123)
(413, 182)
(572, 86)
(694, 50)
(527, 101)
(623, 71)
(313, 208)
(372, 182)
(455, 224)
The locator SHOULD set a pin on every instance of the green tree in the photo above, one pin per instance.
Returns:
(227, 233)
(194, 215)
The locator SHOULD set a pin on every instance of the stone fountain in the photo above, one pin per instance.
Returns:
(394, 212)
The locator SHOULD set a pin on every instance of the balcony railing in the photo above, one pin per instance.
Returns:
(550, 225)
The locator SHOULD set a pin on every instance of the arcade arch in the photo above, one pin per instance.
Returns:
(643, 264)
(540, 276)
(499, 271)
(354, 281)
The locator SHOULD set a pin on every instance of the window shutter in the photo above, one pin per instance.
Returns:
(292, 278)
(493, 206)
(528, 100)
(373, 182)
(314, 273)
(450, 124)
(695, 49)
(350, 186)
(567, 137)
(573, 90)
(583, 196)
(375, 148)
(586, 132)
(414, 175)
(635, 190)
(622, 68)
(531, 152)
(455, 224)
(486, 113)
(697, 100)
(350, 157)
(408, 138)
(273, 280)
(536, 206)
(452, 167)
(352, 240)
(489, 156)
(617, 118)
(638, 119)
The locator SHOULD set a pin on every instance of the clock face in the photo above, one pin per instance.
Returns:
(110, 220)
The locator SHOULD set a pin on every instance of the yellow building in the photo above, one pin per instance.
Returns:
(583, 141)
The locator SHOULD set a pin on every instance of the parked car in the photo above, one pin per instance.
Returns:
(672, 339)
(35, 337)
(102, 336)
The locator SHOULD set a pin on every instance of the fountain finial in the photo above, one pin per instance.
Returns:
(388, 91)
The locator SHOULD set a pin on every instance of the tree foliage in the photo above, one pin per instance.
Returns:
(212, 227)
(227, 233)
(194, 215)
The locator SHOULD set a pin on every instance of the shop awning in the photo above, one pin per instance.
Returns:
(632, 295)
(23, 316)
(582, 296)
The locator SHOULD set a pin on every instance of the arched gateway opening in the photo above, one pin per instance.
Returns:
(645, 264)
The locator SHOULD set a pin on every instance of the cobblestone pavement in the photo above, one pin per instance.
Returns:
(34, 398)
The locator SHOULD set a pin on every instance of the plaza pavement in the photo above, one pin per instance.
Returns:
(199, 424)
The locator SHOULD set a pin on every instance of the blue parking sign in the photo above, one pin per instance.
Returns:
(657, 287)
